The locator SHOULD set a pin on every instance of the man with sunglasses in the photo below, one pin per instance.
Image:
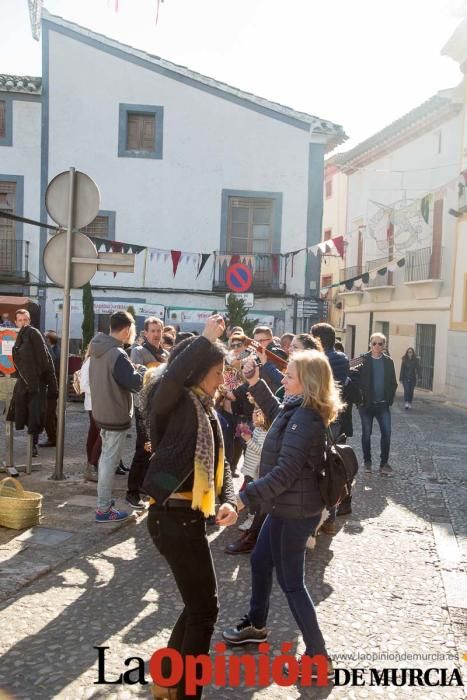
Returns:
(378, 384)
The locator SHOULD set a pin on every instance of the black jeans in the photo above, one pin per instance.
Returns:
(140, 461)
(180, 536)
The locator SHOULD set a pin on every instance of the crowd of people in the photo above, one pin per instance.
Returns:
(205, 406)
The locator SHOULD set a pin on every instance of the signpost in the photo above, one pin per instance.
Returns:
(71, 260)
(247, 298)
(239, 277)
(7, 340)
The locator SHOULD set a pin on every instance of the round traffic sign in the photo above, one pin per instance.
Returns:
(7, 340)
(87, 199)
(239, 277)
(55, 254)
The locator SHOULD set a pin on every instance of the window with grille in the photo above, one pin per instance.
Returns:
(141, 130)
(2, 119)
(7, 204)
(328, 187)
(99, 227)
(250, 225)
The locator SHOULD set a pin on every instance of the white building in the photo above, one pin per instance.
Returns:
(401, 184)
(183, 162)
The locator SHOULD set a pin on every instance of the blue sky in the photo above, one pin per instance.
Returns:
(360, 63)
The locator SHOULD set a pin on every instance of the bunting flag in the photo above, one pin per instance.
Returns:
(203, 260)
(175, 254)
(275, 264)
(365, 277)
(338, 243)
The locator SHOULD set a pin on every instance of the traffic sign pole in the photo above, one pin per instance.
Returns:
(63, 384)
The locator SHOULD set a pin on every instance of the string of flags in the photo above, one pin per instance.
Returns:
(365, 277)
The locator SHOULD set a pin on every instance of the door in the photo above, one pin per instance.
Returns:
(425, 349)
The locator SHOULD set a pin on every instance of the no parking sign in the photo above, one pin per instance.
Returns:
(7, 340)
(239, 277)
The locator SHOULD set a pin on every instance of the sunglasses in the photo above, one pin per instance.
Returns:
(377, 343)
(236, 345)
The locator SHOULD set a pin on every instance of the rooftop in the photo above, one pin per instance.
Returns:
(20, 83)
(334, 133)
(434, 111)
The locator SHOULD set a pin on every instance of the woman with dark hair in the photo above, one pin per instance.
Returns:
(186, 473)
(409, 374)
(305, 341)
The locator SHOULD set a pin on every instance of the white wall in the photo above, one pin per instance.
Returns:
(210, 144)
(23, 158)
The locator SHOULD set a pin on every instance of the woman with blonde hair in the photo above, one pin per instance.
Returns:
(287, 490)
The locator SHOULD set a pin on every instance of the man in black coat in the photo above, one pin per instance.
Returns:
(36, 375)
(377, 381)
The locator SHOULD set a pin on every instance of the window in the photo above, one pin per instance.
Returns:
(326, 280)
(140, 131)
(2, 120)
(328, 187)
(327, 234)
(103, 226)
(7, 227)
(7, 204)
(250, 225)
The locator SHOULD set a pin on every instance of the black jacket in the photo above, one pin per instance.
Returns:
(173, 428)
(292, 454)
(363, 376)
(410, 370)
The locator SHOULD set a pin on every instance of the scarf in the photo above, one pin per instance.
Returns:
(292, 398)
(208, 478)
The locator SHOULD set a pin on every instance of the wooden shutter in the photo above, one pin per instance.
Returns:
(141, 130)
(435, 263)
(2, 119)
(7, 204)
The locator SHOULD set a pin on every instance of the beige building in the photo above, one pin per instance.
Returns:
(401, 185)
(456, 370)
(334, 224)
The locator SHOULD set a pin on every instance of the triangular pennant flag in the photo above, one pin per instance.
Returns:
(166, 256)
(365, 277)
(349, 283)
(313, 249)
(382, 271)
(175, 254)
(392, 265)
(234, 259)
(373, 274)
(401, 262)
(338, 243)
(204, 258)
(322, 247)
(358, 282)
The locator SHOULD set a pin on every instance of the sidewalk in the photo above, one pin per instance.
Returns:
(392, 583)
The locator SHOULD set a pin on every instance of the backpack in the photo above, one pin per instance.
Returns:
(337, 475)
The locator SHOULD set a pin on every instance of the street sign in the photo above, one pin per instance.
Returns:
(7, 340)
(247, 298)
(54, 256)
(311, 307)
(239, 277)
(86, 199)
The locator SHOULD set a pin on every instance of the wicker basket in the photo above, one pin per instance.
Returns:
(19, 509)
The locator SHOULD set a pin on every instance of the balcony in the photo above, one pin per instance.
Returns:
(14, 261)
(268, 272)
(423, 272)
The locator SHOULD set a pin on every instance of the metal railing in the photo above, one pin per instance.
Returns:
(14, 259)
(423, 264)
(268, 271)
(381, 280)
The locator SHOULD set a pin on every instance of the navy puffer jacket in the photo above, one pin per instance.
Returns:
(293, 453)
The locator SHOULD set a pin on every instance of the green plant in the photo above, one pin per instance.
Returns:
(237, 315)
(131, 310)
(87, 326)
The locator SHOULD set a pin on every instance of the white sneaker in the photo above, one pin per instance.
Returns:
(406, 406)
(247, 523)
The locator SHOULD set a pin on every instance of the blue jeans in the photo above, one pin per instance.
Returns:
(409, 387)
(113, 442)
(281, 545)
(382, 414)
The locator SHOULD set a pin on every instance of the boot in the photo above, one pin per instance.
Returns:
(243, 545)
(90, 472)
(161, 693)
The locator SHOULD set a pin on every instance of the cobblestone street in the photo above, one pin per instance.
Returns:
(392, 581)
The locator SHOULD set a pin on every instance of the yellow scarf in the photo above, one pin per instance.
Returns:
(208, 478)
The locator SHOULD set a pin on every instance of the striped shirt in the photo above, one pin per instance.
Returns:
(252, 456)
